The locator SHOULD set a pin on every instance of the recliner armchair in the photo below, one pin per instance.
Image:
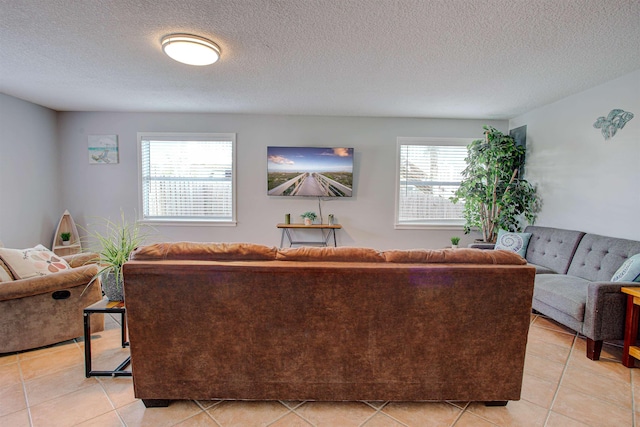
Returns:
(48, 309)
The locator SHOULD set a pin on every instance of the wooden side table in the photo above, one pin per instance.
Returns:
(631, 352)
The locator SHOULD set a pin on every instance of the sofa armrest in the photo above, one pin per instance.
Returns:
(80, 276)
(78, 260)
(605, 310)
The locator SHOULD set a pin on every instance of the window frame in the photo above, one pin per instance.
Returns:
(454, 224)
(188, 136)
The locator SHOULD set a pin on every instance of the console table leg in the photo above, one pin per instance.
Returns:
(630, 331)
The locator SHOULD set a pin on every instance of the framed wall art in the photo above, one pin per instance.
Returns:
(103, 149)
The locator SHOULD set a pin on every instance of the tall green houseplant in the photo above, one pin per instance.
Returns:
(115, 245)
(495, 196)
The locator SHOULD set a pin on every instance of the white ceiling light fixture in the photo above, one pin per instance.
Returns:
(190, 49)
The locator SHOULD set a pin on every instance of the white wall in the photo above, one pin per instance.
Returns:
(29, 184)
(585, 182)
(102, 190)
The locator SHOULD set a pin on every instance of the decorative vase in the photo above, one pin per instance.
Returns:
(114, 290)
(307, 221)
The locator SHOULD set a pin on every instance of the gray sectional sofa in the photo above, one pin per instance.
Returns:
(573, 281)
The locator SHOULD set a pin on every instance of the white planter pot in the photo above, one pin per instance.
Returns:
(307, 221)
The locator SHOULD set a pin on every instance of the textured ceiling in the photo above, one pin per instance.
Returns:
(402, 58)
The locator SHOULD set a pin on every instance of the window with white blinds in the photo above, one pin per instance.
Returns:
(428, 174)
(187, 177)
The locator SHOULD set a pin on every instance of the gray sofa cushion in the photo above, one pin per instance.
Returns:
(570, 301)
(599, 257)
(552, 248)
(541, 269)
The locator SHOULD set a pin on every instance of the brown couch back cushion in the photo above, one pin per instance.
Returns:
(205, 252)
(339, 254)
(253, 252)
(453, 256)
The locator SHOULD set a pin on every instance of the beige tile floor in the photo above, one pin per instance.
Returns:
(561, 388)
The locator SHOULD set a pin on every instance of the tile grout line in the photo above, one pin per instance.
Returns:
(213, 417)
(384, 414)
(208, 414)
(216, 421)
(380, 411)
(376, 411)
(113, 405)
(463, 410)
(633, 400)
(77, 345)
(202, 410)
(549, 328)
(206, 410)
(293, 410)
(564, 371)
(24, 390)
(290, 410)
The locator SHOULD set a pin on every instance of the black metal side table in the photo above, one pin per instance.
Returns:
(105, 306)
(286, 231)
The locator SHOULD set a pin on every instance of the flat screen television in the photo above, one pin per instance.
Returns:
(310, 171)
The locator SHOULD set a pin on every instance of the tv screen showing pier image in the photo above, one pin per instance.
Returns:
(310, 171)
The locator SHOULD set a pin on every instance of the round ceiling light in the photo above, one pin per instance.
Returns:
(189, 49)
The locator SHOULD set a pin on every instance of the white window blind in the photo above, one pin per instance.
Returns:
(429, 173)
(187, 177)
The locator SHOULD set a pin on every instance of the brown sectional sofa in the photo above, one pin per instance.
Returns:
(244, 321)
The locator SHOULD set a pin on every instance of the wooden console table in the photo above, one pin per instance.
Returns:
(286, 231)
(631, 352)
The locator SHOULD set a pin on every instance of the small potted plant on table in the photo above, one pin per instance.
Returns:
(454, 242)
(66, 239)
(309, 217)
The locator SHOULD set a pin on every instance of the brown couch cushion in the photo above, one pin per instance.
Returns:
(453, 256)
(339, 254)
(205, 252)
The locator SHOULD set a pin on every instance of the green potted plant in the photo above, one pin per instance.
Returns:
(114, 245)
(309, 217)
(495, 196)
(454, 242)
(66, 238)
